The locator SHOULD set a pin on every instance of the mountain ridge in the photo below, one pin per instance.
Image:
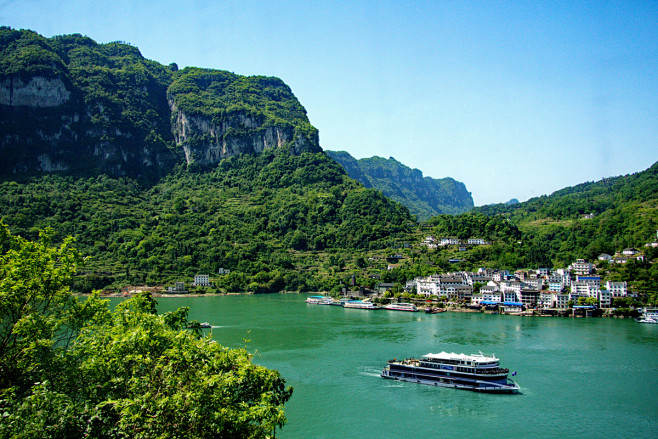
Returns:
(424, 196)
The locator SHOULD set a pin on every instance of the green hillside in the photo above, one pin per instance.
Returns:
(273, 219)
(590, 218)
(553, 231)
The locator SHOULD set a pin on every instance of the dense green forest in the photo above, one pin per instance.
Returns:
(425, 197)
(621, 212)
(257, 215)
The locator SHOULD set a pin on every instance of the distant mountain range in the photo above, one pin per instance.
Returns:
(424, 196)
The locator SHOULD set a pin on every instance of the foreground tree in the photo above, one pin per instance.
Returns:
(89, 372)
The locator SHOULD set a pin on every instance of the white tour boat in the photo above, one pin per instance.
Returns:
(359, 304)
(410, 307)
(477, 372)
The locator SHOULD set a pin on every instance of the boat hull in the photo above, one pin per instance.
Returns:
(444, 381)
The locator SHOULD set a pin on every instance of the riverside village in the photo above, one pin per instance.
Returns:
(576, 290)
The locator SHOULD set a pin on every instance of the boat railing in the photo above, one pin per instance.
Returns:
(491, 371)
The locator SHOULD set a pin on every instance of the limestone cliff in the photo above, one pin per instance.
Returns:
(206, 142)
(36, 92)
(69, 104)
(217, 114)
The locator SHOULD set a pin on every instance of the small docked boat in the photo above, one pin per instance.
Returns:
(314, 299)
(648, 315)
(434, 310)
(359, 304)
(409, 307)
(476, 372)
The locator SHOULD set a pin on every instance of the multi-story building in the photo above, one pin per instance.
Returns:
(530, 297)
(556, 287)
(201, 280)
(605, 298)
(582, 267)
(594, 281)
(617, 289)
(535, 282)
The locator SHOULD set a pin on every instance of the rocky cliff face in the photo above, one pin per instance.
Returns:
(69, 104)
(206, 142)
(37, 92)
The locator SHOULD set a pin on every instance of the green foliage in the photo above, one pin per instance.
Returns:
(250, 214)
(116, 119)
(71, 369)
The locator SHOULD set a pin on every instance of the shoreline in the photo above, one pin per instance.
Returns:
(158, 292)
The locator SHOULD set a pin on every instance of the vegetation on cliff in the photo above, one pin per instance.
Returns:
(221, 97)
(116, 117)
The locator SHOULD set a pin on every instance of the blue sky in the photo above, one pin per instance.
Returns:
(516, 99)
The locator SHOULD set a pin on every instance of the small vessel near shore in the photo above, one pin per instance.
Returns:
(649, 315)
(409, 307)
(359, 304)
(314, 299)
(476, 372)
(434, 310)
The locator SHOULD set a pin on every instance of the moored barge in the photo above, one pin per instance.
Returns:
(476, 372)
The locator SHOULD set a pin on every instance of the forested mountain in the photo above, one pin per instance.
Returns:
(162, 173)
(424, 196)
(70, 104)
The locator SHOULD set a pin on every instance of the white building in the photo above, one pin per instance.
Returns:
(535, 282)
(448, 241)
(582, 268)
(594, 281)
(201, 280)
(617, 289)
(605, 299)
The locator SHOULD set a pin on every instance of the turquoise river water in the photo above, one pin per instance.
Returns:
(580, 378)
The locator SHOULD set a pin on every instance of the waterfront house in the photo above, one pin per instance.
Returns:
(384, 287)
(201, 280)
(529, 297)
(605, 298)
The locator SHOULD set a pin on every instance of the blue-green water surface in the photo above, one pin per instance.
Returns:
(584, 378)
